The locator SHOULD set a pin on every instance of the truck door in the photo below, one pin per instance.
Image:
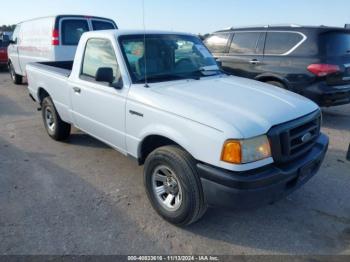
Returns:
(97, 107)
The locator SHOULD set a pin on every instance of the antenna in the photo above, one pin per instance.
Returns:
(144, 41)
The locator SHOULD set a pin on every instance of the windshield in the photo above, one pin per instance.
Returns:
(166, 57)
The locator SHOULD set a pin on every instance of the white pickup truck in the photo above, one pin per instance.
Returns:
(206, 139)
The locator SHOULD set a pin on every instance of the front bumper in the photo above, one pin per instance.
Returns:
(251, 189)
(325, 95)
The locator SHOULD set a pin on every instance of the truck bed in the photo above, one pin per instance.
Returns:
(63, 68)
(53, 77)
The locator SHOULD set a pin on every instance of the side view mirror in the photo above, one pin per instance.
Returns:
(13, 42)
(119, 84)
(104, 74)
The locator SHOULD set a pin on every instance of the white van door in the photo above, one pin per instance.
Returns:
(13, 51)
(71, 29)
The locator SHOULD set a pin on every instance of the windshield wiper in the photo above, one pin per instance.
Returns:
(165, 77)
(196, 75)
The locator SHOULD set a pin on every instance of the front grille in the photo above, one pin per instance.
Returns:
(295, 138)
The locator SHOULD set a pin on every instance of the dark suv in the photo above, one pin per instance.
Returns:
(311, 61)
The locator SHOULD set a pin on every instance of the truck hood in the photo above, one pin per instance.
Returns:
(230, 104)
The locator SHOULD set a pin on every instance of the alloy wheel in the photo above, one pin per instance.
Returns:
(166, 188)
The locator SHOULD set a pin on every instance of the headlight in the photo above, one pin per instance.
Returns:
(246, 151)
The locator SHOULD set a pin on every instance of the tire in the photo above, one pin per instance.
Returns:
(55, 127)
(276, 83)
(177, 170)
(16, 79)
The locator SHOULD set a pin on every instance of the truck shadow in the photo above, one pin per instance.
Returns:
(78, 138)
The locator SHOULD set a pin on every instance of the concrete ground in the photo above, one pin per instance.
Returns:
(82, 197)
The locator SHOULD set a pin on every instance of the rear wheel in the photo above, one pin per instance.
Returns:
(173, 185)
(16, 79)
(55, 127)
(277, 83)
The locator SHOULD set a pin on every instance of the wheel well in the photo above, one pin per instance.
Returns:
(150, 143)
(271, 78)
(42, 93)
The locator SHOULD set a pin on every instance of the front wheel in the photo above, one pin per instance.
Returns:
(173, 185)
(16, 79)
(55, 126)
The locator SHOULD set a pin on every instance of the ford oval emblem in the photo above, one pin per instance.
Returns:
(305, 138)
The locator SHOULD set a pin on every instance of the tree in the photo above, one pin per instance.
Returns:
(7, 28)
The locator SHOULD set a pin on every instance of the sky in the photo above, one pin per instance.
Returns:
(194, 16)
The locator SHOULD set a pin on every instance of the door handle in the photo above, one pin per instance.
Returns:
(77, 90)
(254, 62)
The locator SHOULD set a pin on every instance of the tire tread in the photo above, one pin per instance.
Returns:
(62, 131)
(181, 157)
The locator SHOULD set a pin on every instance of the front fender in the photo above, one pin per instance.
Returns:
(203, 143)
(167, 132)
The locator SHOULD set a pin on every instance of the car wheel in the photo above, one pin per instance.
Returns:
(276, 83)
(16, 79)
(55, 127)
(173, 185)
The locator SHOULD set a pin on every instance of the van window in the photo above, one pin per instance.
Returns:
(217, 43)
(99, 53)
(244, 43)
(102, 25)
(335, 44)
(278, 43)
(72, 30)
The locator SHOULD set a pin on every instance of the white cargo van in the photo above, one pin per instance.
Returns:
(53, 38)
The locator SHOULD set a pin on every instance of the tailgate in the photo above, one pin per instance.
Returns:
(343, 76)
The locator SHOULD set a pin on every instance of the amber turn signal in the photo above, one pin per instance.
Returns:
(231, 152)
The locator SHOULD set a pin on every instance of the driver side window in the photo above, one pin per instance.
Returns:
(99, 53)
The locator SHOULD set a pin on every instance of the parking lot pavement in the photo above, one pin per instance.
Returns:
(82, 197)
